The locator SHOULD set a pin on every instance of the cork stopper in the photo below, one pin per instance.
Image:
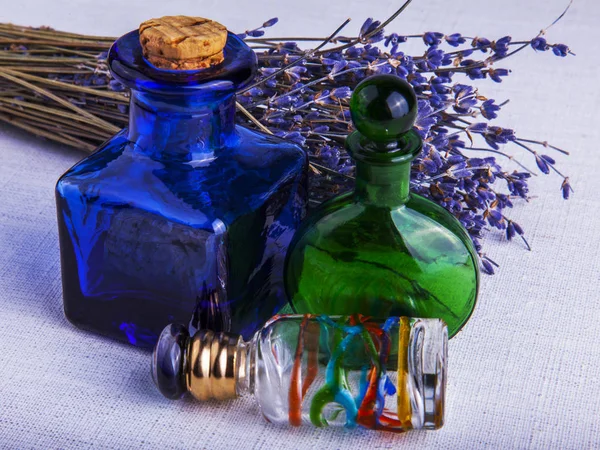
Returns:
(183, 42)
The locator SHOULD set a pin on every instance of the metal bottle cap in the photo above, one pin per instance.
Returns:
(208, 365)
(213, 359)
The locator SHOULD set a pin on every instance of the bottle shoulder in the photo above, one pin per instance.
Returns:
(223, 185)
(269, 147)
(96, 161)
(344, 222)
(442, 216)
(249, 149)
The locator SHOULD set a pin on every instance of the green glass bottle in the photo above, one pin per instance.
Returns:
(381, 250)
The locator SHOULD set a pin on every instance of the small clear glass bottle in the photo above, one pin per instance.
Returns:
(304, 369)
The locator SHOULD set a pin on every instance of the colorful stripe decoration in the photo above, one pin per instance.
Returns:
(365, 408)
(404, 407)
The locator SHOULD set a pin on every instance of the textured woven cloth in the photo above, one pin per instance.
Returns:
(523, 373)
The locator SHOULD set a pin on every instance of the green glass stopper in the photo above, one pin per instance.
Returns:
(383, 107)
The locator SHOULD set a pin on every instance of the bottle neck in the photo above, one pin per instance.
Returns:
(181, 127)
(245, 361)
(382, 185)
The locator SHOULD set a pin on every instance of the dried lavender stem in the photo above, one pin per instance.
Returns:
(298, 61)
(51, 136)
(252, 118)
(68, 86)
(56, 111)
(298, 86)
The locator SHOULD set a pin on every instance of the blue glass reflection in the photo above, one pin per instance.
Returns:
(182, 217)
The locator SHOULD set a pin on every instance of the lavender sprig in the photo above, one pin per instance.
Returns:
(309, 105)
(57, 85)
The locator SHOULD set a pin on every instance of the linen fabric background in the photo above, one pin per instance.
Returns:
(522, 374)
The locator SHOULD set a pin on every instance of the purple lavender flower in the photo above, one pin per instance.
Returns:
(341, 93)
(433, 38)
(495, 74)
(500, 46)
(475, 73)
(308, 103)
(539, 43)
(560, 50)
(391, 39)
(487, 266)
(566, 188)
(488, 109)
(542, 164)
(425, 118)
(510, 230)
(478, 127)
(481, 43)
(368, 27)
(270, 22)
(455, 39)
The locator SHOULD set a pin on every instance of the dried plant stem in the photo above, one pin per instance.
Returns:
(57, 85)
(52, 136)
(252, 119)
(46, 33)
(69, 87)
(54, 112)
(299, 60)
(11, 76)
(45, 69)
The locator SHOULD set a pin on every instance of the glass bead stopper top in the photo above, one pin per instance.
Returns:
(384, 110)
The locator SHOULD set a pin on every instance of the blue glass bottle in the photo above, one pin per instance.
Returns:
(183, 216)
